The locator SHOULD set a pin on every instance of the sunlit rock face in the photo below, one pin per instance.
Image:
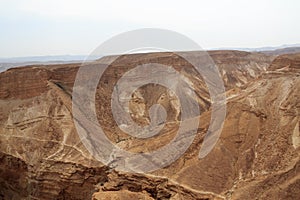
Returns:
(256, 157)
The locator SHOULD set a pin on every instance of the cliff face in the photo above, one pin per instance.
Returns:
(257, 155)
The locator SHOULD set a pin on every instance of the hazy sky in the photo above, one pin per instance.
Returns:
(53, 27)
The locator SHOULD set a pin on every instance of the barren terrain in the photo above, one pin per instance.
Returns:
(256, 157)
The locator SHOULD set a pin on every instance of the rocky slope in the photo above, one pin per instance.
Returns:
(257, 156)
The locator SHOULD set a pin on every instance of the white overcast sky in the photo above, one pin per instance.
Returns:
(54, 27)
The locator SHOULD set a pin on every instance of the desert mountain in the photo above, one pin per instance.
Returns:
(256, 157)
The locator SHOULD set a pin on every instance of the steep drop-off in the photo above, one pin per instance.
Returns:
(256, 157)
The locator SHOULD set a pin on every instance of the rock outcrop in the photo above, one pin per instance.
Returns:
(256, 157)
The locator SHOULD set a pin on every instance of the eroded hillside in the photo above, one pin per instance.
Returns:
(257, 156)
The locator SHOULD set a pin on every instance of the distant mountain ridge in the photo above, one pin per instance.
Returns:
(288, 50)
(48, 58)
(6, 63)
(64, 58)
(260, 49)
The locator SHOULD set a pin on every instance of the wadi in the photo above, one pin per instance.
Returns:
(257, 155)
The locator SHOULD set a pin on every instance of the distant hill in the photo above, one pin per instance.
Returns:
(289, 50)
(57, 58)
(263, 49)
(6, 63)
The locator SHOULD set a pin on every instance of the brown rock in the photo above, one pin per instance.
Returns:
(257, 156)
